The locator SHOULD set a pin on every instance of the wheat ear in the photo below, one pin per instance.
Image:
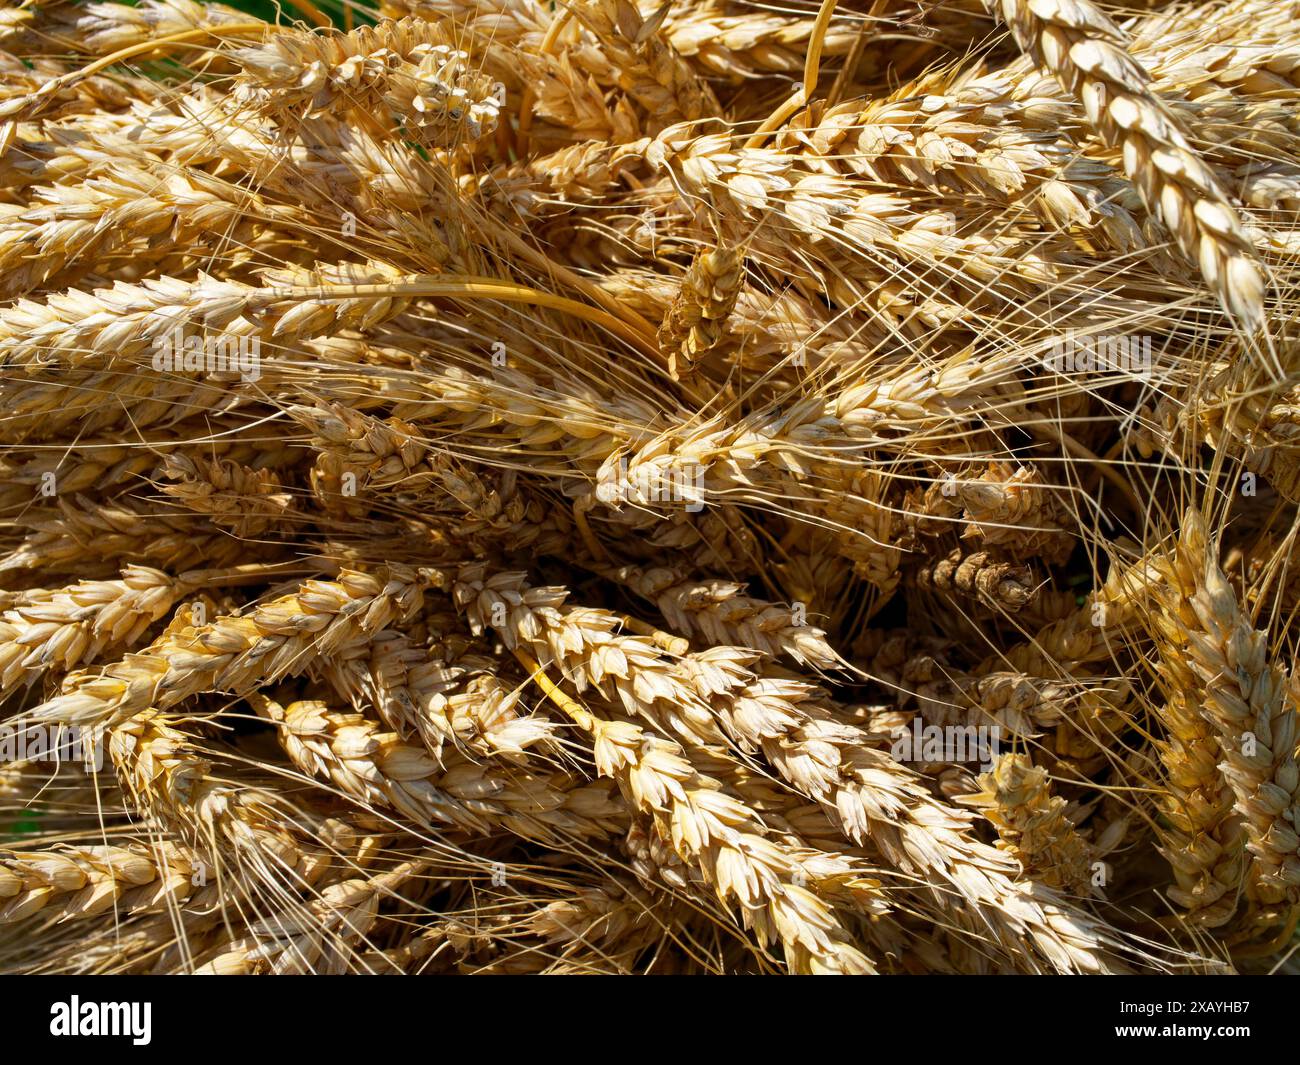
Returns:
(80, 882)
(1246, 700)
(1015, 795)
(1073, 40)
(376, 767)
(237, 654)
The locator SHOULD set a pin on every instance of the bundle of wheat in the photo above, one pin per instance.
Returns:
(502, 487)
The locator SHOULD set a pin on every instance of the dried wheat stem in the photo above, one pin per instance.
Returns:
(461, 287)
(816, 40)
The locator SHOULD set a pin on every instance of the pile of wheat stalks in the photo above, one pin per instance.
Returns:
(503, 486)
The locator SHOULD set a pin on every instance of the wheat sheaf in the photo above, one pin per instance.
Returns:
(493, 486)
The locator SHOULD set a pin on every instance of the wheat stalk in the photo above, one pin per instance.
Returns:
(82, 882)
(64, 628)
(409, 67)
